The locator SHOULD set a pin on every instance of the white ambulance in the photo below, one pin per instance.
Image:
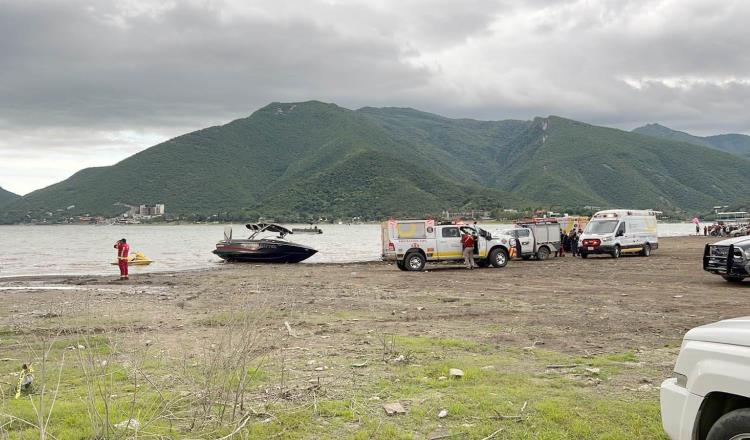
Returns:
(618, 231)
(412, 243)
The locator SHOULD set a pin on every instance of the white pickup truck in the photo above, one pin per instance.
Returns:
(708, 397)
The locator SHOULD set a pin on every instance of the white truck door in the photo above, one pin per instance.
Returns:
(527, 242)
(449, 243)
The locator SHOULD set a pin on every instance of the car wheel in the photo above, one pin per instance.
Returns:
(414, 262)
(646, 250)
(584, 255)
(734, 425)
(616, 251)
(499, 257)
(542, 253)
(401, 265)
(733, 278)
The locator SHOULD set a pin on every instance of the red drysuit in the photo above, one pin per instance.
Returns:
(122, 258)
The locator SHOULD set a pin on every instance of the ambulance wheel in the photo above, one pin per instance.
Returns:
(616, 251)
(499, 257)
(401, 265)
(646, 250)
(542, 253)
(414, 262)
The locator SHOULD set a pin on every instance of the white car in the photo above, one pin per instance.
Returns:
(708, 396)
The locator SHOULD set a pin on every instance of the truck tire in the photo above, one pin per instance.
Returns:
(414, 262)
(401, 265)
(734, 425)
(543, 253)
(616, 251)
(646, 252)
(498, 257)
(733, 278)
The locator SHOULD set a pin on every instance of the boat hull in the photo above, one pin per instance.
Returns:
(263, 251)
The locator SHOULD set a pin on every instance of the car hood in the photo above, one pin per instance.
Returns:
(729, 331)
(735, 241)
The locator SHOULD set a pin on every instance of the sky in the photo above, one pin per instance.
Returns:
(90, 82)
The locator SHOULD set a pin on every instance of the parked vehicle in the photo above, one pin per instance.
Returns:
(708, 397)
(539, 237)
(412, 243)
(729, 258)
(619, 231)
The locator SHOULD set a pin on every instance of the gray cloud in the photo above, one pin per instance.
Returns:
(88, 82)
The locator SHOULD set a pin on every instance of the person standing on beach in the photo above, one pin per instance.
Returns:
(467, 242)
(122, 257)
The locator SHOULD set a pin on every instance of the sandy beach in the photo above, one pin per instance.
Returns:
(327, 332)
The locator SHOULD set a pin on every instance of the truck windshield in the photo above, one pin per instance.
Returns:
(601, 227)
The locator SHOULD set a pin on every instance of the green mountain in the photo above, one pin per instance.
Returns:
(7, 197)
(296, 161)
(738, 144)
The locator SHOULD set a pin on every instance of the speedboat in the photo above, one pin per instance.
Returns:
(266, 244)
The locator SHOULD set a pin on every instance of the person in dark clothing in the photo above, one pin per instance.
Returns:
(561, 249)
(574, 242)
(518, 247)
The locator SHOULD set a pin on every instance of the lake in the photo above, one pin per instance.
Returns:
(88, 249)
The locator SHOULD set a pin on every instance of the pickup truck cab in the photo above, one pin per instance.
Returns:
(412, 243)
(729, 258)
(708, 397)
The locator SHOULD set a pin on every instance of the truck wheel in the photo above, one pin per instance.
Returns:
(401, 265)
(414, 262)
(499, 257)
(616, 251)
(734, 425)
(542, 253)
(733, 278)
(646, 252)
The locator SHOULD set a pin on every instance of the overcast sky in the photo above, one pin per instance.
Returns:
(88, 83)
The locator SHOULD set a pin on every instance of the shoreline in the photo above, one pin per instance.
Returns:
(230, 266)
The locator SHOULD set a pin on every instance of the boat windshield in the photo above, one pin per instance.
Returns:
(601, 227)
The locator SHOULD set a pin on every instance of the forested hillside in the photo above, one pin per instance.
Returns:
(299, 161)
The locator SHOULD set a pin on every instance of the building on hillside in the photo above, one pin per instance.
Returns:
(149, 210)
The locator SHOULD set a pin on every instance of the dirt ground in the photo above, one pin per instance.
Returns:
(574, 307)
(567, 304)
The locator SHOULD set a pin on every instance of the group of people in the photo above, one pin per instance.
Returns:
(570, 242)
(721, 230)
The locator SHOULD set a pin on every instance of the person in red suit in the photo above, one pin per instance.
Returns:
(467, 242)
(122, 257)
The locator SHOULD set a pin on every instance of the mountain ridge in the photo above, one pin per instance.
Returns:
(7, 196)
(733, 143)
(301, 161)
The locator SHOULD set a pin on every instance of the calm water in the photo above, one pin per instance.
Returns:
(87, 250)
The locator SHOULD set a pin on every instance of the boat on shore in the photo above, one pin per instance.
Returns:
(266, 244)
(138, 259)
